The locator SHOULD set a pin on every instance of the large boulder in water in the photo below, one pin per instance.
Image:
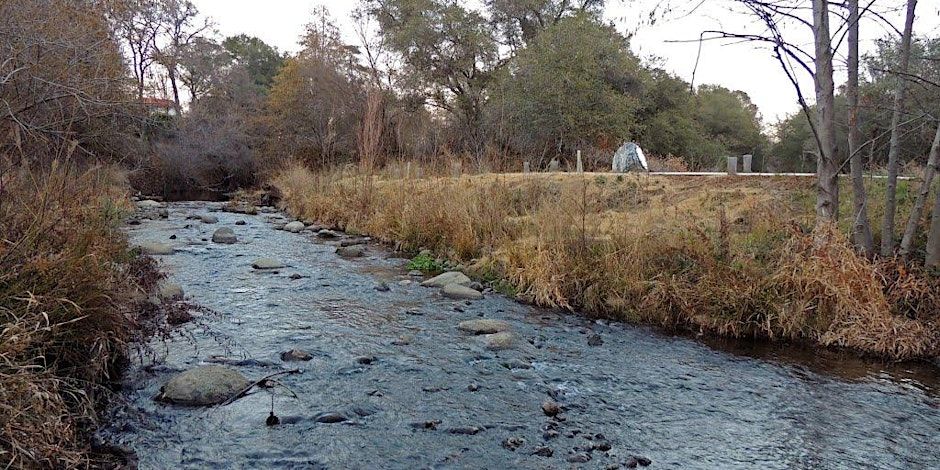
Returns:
(354, 251)
(203, 386)
(294, 227)
(208, 219)
(628, 157)
(224, 235)
(460, 292)
(452, 277)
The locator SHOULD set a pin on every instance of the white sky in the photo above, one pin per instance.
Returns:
(740, 66)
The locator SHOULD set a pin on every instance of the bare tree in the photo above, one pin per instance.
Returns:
(827, 169)
(138, 24)
(861, 227)
(887, 229)
(178, 26)
(933, 238)
(917, 211)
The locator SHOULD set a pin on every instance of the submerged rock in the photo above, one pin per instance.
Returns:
(208, 219)
(457, 291)
(156, 248)
(267, 263)
(329, 417)
(203, 386)
(355, 251)
(448, 278)
(595, 340)
(294, 227)
(296, 355)
(551, 408)
(484, 326)
(224, 235)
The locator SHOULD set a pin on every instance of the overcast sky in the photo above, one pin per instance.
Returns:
(738, 66)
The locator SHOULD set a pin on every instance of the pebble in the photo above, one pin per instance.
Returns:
(595, 340)
(382, 287)
(241, 222)
(551, 408)
(473, 387)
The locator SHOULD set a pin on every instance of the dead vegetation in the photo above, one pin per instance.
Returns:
(734, 257)
(66, 309)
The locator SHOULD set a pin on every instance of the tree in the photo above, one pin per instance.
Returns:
(138, 25)
(179, 29)
(521, 20)
(576, 85)
(887, 229)
(449, 52)
(917, 210)
(315, 103)
(203, 64)
(62, 82)
(827, 169)
(261, 61)
(861, 227)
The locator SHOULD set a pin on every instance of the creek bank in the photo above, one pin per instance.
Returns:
(397, 362)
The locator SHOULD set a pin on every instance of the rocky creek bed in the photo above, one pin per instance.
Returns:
(391, 374)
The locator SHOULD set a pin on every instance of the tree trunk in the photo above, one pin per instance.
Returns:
(827, 171)
(887, 229)
(861, 227)
(171, 74)
(914, 220)
(933, 239)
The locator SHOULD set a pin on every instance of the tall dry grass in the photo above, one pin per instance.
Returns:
(65, 310)
(730, 257)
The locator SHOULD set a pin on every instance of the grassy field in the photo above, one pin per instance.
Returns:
(66, 309)
(725, 256)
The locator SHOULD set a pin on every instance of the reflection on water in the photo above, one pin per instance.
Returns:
(436, 398)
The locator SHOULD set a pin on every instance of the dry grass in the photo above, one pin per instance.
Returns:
(65, 310)
(730, 256)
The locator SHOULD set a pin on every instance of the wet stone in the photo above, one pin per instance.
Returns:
(267, 263)
(467, 430)
(205, 385)
(382, 287)
(365, 360)
(484, 326)
(294, 227)
(543, 451)
(513, 443)
(208, 219)
(457, 291)
(241, 222)
(329, 417)
(429, 425)
(595, 340)
(296, 355)
(224, 235)
(551, 408)
(579, 457)
(354, 251)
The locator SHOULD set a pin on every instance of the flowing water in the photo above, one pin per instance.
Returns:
(435, 397)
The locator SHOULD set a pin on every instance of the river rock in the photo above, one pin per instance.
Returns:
(457, 291)
(595, 340)
(296, 355)
(498, 341)
(551, 408)
(329, 417)
(579, 457)
(167, 291)
(208, 219)
(484, 326)
(543, 451)
(294, 227)
(224, 235)
(445, 279)
(241, 222)
(149, 204)
(267, 263)
(155, 248)
(327, 234)
(355, 251)
(202, 386)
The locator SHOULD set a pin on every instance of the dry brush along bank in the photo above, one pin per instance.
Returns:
(72, 296)
(729, 257)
